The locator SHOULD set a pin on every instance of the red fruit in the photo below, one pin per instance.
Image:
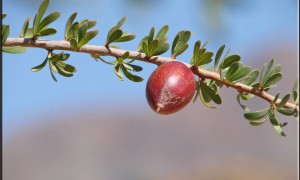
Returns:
(170, 87)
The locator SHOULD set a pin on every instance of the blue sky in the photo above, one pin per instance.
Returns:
(242, 26)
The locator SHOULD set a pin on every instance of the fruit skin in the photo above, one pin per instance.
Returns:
(170, 87)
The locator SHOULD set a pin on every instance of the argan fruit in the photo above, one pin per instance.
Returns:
(170, 87)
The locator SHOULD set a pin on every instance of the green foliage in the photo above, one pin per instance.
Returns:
(200, 56)
(116, 34)
(155, 46)
(77, 32)
(57, 65)
(179, 44)
(121, 66)
(40, 25)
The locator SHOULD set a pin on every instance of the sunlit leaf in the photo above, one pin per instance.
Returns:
(161, 49)
(47, 32)
(15, 49)
(39, 67)
(73, 44)
(25, 28)
(125, 38)
(69, 24)
(230, 60)
(48, 20)
(162, 33)
(252, 76)
(180, 43)
(130, 76)
(273, 79)
(5, 33)
(89, 35)
(82, 31)
(37, 19)
(218, 56)
(114, 36)
(118, 72)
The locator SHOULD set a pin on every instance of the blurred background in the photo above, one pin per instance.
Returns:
(92, 126)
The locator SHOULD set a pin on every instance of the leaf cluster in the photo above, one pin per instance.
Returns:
(116, 34)
(155, 46)
(77, 32)
(57, 64)
(121, 67)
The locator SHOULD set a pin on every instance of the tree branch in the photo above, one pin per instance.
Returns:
(102, 50)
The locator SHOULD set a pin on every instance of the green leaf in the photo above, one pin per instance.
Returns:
(286, 111)
(25, 28)
(69, 24)
(205, 58)
(114, 36)
(218, 56)
(72, 32)
(151, 35)
(3, 16)
(125, 55)
(63, 56)
(121, 22)
(272, 80)
(257, 114)
(275, 123)
(245, 108)
(276, 97)
(52, 75)
(62, 71)
(240, 73)
(284, 100)
(230, 60)
(215, 97)
(130, 76)
(52, 67)
(268, 71)
(152, 47)
(47, 32)
(39, 67)
(162, 33)
(180, 43)
(294, 95)
(66, 67)
(73, 44)
(204, 97)
(82, 30)
(5, 33)
(232, 69)
(91, 24)
(96, 57)
(145, 48)
(118, 72)
(257, 123)
(48, 20)
(252, 76)
(196, 53)
(14, 49)
(37, 19)
(140, 46)
(246, 96)
(89, 35)
(135, 68)
(161, 49)
(125, 38)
